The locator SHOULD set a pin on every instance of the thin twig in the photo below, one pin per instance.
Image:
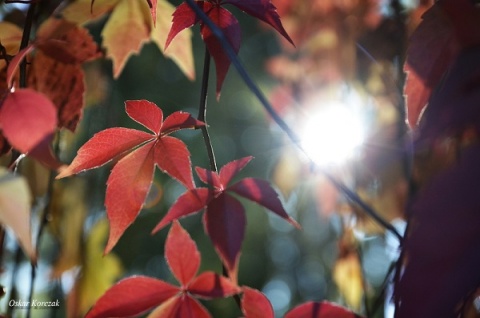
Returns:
(202, 111)
(280, 122)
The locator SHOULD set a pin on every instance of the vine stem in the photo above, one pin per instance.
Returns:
(202, 111)
(280, 122)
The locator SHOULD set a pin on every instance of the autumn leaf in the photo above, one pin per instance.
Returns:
(64, 85)
(15, 203)
(224, 218)
(179, 50)
(82, 11)
(26, 118)
(322, 309)
(98, 272)
(432, 48)
(255, 304)
(125, 32)
(441, 248)
(184, 17)
(138, 294)
(131, 177)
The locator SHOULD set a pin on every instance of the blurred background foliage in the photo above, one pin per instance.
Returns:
(348, 52)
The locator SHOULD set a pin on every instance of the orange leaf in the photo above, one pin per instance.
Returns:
(125, 32)
(63, 84)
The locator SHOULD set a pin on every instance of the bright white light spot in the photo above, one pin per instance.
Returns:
(333, 135)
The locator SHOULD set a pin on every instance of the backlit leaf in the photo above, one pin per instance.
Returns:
(127, 188)
(180, 50)
(132, 296)
(181, 254)
(15, 203)
(263, 10)
(82, 11)
(10, 38)
(26, 118)
(125, 32)
(255, 304)
(432, 48)
(145, 113)
(260, 191)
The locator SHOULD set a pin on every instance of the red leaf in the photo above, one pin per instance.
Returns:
(180, 120)
(181, 254)
(454, 105)
(173, 157)
(229, 170)
(231, 29)
(183, 17)
(132, 296)
(209, 177)
(145, 113)
(322, 309)
(189, 202)
(433, 46)
(255, 304)
(465, 17)
(211, 285)
(26, 118)
(103, 147)
(127, 188)
(442, 247)
(224, 222)
(263, 10)
(261, 192)
(44, 154)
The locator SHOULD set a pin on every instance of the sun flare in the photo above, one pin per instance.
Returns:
(333, 135)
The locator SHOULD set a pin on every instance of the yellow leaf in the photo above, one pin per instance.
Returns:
(180, 50)
(99, 272)
(125, 32)
(347, 274)
(15, 200)
(81, 11)
(10, 37)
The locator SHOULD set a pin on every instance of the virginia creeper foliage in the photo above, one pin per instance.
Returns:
(132, 175)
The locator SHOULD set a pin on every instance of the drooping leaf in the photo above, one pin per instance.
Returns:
(15, 201)
(260, 191)
(322, 309)
(131, 20)
(231, 29)
(464, 16)
(26, 118)
(180, 50)
(263, 10)
(432, 48)
(442, 248)
(132, 296)
(224, 222)
(210, 285)
(181, 254)
(131, 177)
(153, 10)
(127, 188)
(255, 304)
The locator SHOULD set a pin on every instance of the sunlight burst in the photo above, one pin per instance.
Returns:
(333, 135)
